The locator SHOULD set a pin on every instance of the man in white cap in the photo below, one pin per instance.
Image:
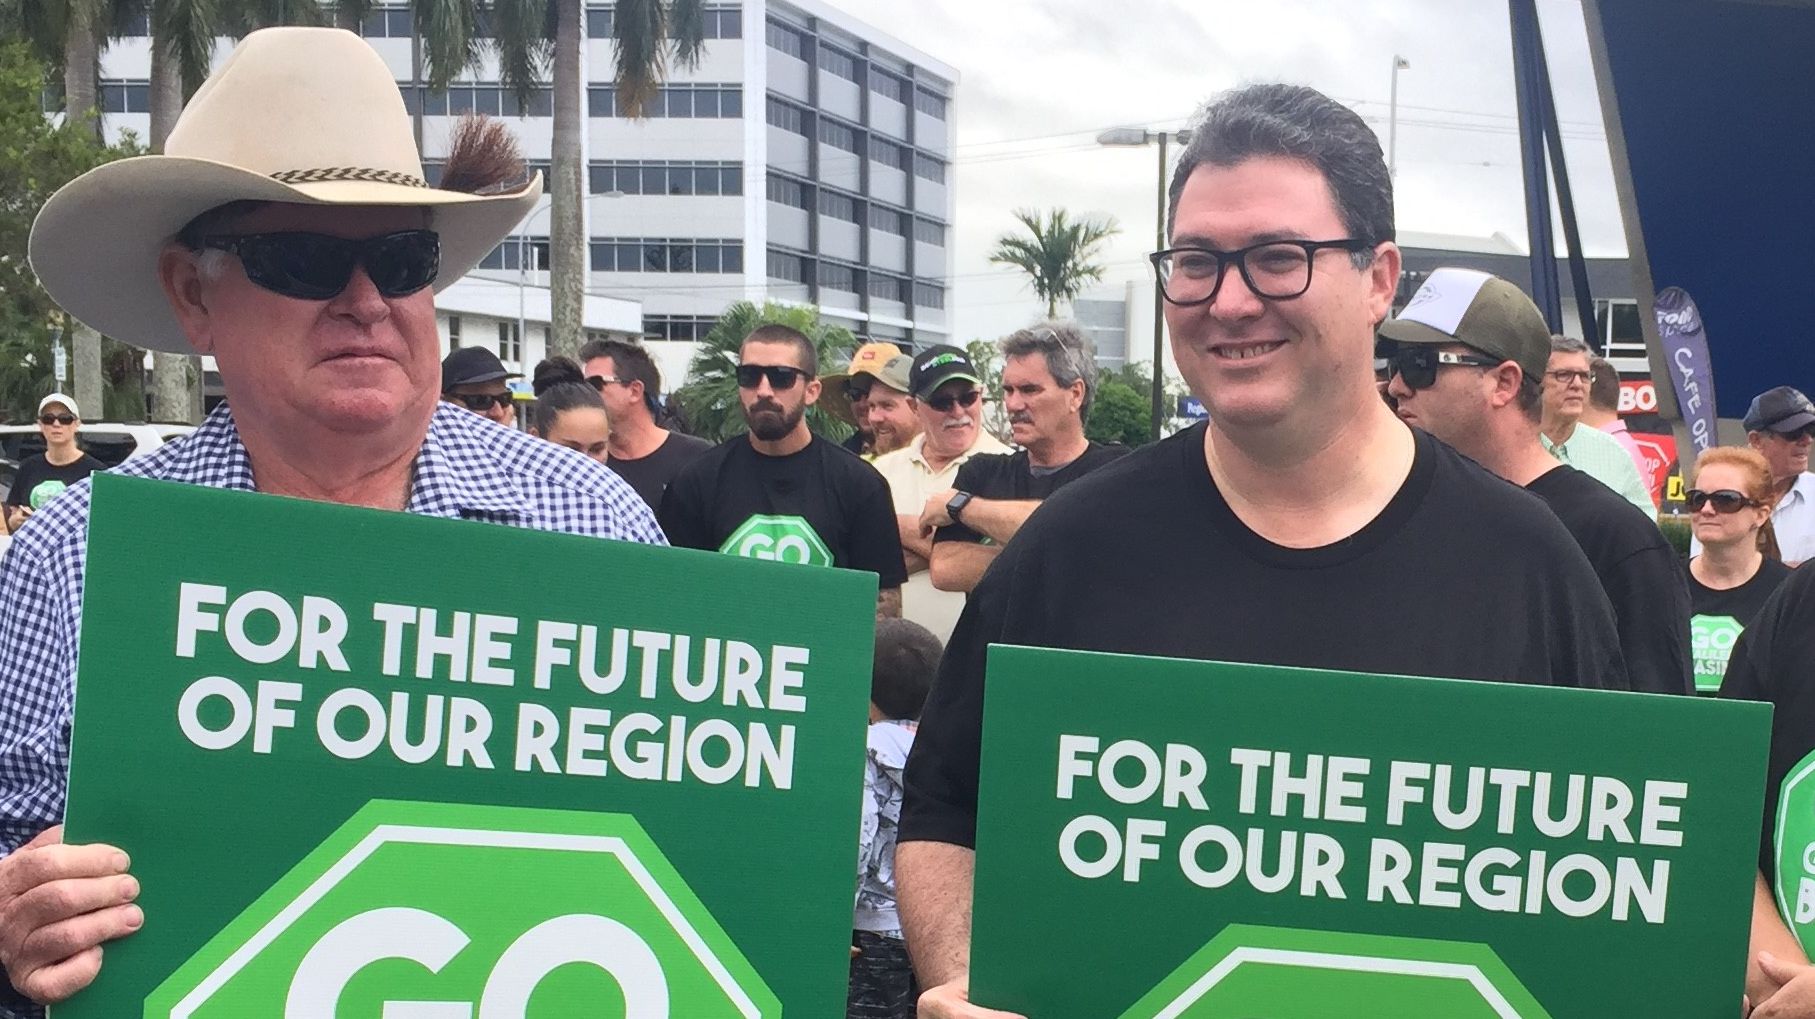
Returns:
(44, 477)
(287, 232)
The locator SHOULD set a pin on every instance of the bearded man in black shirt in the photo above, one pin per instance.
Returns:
(1304, 525)
(1466, 360)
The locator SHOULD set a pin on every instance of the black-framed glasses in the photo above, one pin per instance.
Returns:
(1805, 432)
(1275, 270)
(317, 267)
(481, 402)
(599, 382)
(1565, 376)
(56, 419)
(944, 404)
(1417, 366)
(1725, 500)
(781, 377)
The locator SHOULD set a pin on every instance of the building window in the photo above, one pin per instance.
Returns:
(640, 254)
(680, 101)
(785, 191)
(835, 276)
(930, 168)
(684, 328)
(125, 96)
(889, 154)
(388, 23)
(838, 62)
(837, 135)
(930, 103)
(787, 267)
(787, 39)
(888, 288)
(531, 253)
(453, 332)
(598, 22)
(787, 116)
(138, 24)
(928, 232)
(888, 220)
(488, 98)
(510, 343)
(929, 295)
(888, 85)
(724, 23)
(837, 206)
(667, 177)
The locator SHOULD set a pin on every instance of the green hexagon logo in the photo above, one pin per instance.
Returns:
(785, 539)
(1283, 973)
(445, 911)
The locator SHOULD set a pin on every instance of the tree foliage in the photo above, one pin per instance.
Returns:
(709, 400)
(988, 359)
(1057, 253)
(1120, 413)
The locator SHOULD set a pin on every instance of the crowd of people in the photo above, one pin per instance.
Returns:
(1367, 491)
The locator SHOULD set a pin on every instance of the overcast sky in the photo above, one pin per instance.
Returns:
(1040, 78)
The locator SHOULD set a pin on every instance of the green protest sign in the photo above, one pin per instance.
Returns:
(1163, 839)
(363, 768)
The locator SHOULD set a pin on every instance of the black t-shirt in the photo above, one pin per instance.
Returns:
(1639, 570)
(39, 480)
(1772, 662)
(843, 500)
(1461, 575)
(1718, 618)
(1011, 476)
(650, 475)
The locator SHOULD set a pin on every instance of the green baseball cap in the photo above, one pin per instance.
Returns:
(1478, 310)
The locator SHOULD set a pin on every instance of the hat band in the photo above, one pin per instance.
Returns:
(339, 173)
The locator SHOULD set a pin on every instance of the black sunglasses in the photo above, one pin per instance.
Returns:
(56, 419)
(780, 376)
(1725, 501)
(317, 267)
(599, 382)
(482, 402)
(1418, 365)
(857, 390)
(944, 404)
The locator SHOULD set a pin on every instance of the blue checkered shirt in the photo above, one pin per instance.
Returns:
(469, 468)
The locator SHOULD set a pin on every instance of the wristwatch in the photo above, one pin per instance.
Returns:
(956, 506)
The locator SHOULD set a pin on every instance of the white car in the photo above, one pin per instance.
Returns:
(109, 442)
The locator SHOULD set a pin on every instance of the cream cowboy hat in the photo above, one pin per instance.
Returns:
(304, 115)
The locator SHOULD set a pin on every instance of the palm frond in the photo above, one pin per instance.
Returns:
(1058, 254)
(687, 31)
(450, 41)
(640, 28)
(187, 29)
(524, 45)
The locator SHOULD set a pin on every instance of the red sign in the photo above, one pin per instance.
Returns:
(1659, 453)
(1639, 397)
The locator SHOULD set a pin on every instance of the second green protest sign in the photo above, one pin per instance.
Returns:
(1194, 840)
(371, 763)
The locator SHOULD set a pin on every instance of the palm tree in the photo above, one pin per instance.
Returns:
(709, 400)
(1056, 252)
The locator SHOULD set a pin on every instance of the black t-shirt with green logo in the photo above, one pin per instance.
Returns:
(820, 502)
(39, 480)
(1461, 575)
(1719, 617)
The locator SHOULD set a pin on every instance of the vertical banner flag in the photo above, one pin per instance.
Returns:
(1164, 839)
(1679, 326)
(370, 763)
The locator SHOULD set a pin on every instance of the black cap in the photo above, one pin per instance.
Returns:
(1779, 410)
(469, 365)
(935, 366)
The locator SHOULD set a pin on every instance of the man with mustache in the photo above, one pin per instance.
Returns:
(1049, 377)
(781, 492)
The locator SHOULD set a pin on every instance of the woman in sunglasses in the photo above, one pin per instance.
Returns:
(42, 478)
(1739, 565)
(569, 411)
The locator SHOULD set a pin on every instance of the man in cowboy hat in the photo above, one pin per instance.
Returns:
(287, 232)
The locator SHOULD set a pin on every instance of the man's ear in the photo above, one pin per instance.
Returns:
(181, 278)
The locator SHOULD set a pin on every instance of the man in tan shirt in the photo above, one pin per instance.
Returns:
(947, 398)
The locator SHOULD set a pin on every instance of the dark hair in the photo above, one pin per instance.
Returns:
(1296, 122)
(1531, 397)
(778, 333)
(560, 387)
(907, 659)
(631, 361)
(1604, 391)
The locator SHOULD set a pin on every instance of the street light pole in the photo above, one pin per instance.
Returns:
(1392, 117)
(1133, 136)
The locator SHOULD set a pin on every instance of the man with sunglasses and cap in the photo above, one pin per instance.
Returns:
(1303, 524)
(62, 464)
(287, 231)
(1779, 424)
(473, 377)
(781, 492)
(945, 393)
(1465, 359)
(846, 396)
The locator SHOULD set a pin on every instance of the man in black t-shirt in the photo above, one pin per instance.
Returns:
(1303, 525)
(781, 492)
(642, 452)
(1466, 359)
(1049, 378)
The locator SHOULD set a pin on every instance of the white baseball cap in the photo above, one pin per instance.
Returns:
(59, 398)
